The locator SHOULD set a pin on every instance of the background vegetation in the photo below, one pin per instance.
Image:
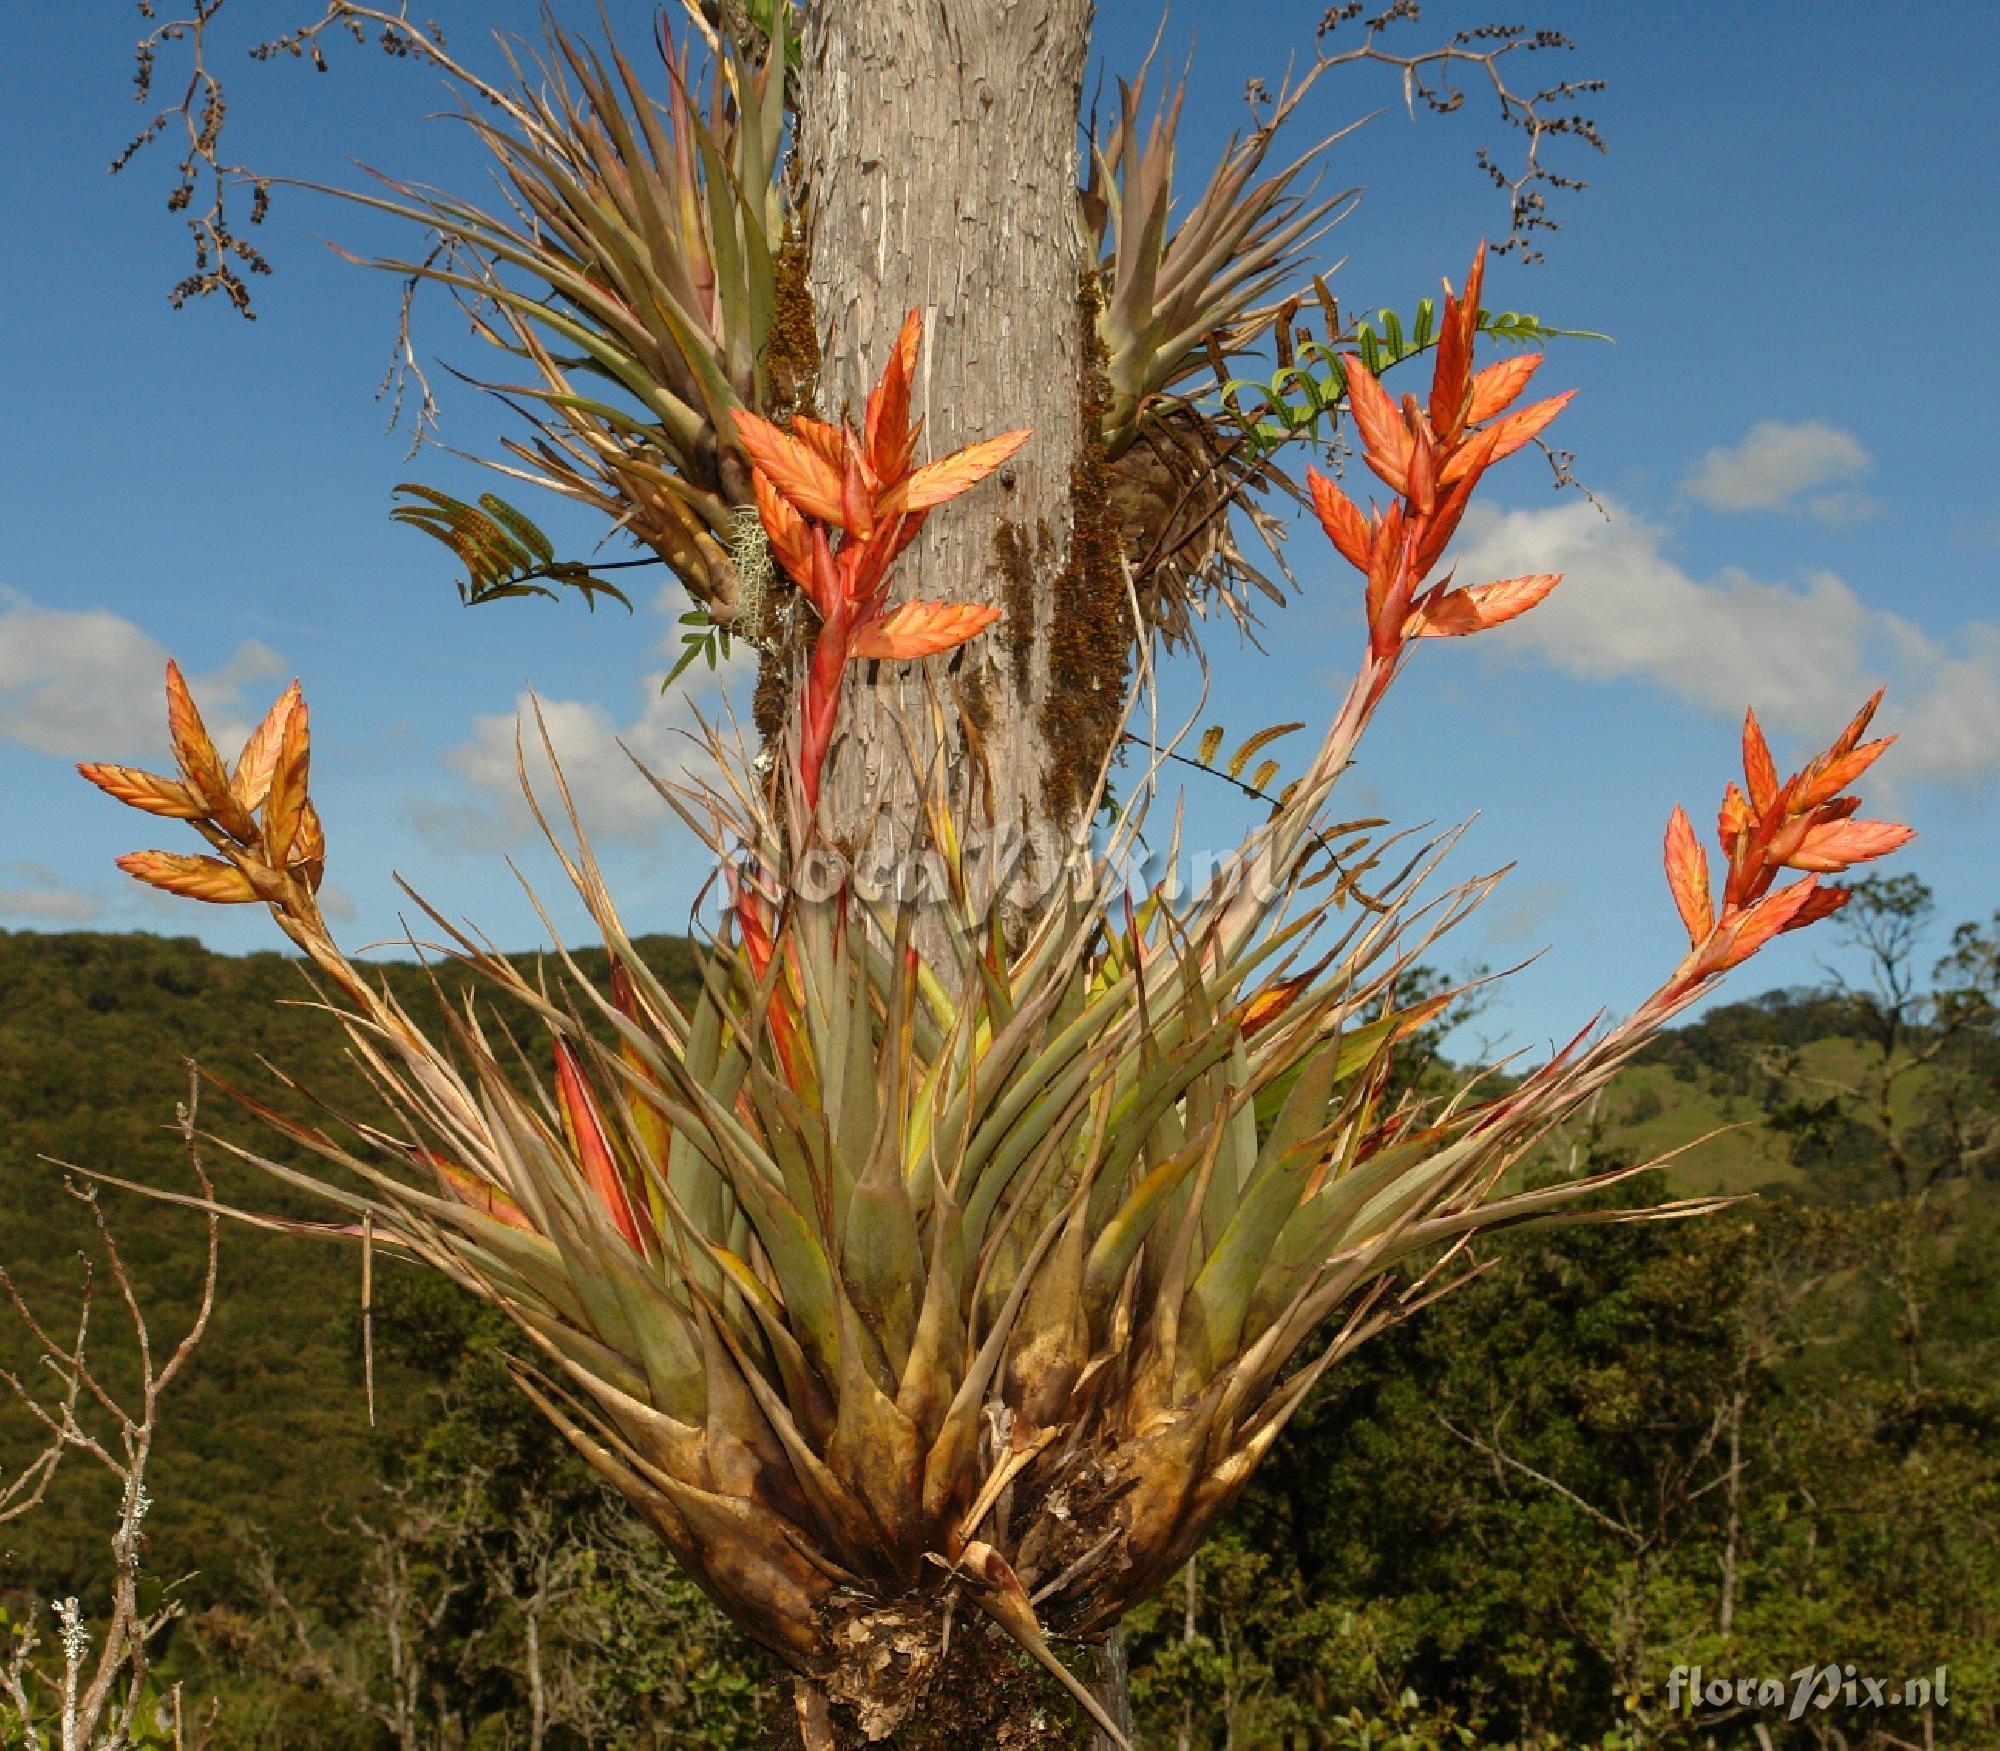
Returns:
(1762, 1441)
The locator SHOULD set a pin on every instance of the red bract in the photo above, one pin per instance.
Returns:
(751, 920)
(1802, 824)
(815, 482)
(589, 1141)
(1433, 458)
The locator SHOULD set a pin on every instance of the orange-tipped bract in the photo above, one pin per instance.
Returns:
(1802, 824)
(257, 818)
(862, 486)
(1432, 458)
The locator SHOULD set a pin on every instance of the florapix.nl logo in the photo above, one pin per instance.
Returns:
(1811, 1687)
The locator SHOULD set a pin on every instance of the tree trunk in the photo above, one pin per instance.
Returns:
(937, 156)
(984, 1693)
(937, 163)
(538, 1693)
(1725, 1619)
(1112, 1686)
(1189, 1626)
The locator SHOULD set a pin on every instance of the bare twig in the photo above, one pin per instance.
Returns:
(1501, 1457)
(1431, 78)
(200, 113)
(100, 1700)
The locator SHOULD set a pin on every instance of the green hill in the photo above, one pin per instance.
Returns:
(270, 1428)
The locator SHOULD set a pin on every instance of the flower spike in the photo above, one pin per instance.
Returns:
(257, 818)
(862, 486)
(1431, 456)
(1801, 824)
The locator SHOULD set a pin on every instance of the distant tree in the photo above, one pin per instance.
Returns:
(499, 1589)
(1912, 1111)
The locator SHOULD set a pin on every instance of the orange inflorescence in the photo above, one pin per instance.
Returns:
(863, 487)
(1432, 456)
(1804, 824)
(256, 815)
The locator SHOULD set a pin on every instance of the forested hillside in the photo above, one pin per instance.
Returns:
(1755, 1442)
(268, 1438)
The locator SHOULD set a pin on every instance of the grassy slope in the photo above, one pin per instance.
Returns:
(1652, 1111)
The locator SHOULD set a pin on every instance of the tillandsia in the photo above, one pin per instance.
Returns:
(1176, 299)
(636, 275)
(892, 1289)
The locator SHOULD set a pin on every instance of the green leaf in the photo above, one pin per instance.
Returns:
(503, 551)
(707, 641)
(527, 533)
(1319, 376)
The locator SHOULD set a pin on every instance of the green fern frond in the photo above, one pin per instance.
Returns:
(1292, 403)
(503, 551)
(706, 639)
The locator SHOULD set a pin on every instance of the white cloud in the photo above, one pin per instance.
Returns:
(1842, 509)
(338, 904)
(87, 684)
(1777, 466)
(613, 798)
(1979, 532)
(1951, 721)
(37, 893)
(1804, 654)
(1520, 912)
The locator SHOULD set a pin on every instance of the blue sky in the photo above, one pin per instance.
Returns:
(1793, 239)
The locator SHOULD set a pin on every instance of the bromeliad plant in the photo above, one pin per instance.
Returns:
(892, 1288)
(633, 279)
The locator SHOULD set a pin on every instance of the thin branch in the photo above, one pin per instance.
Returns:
(100, 1701)
(1430, 78)
(1501, 1457)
